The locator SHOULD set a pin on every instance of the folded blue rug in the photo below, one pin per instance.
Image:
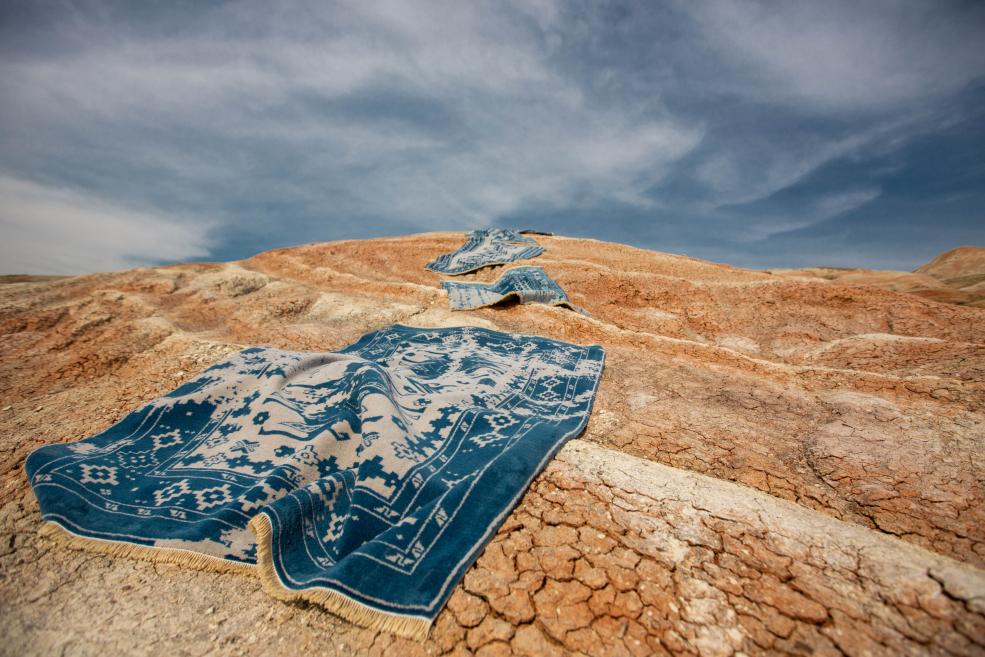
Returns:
(485, 247)
(367, 480)
(525, 284)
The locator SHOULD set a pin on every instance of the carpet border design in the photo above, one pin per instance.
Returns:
(412, 626)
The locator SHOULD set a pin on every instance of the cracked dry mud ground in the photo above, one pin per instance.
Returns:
(775, 464)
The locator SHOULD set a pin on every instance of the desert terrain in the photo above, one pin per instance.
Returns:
(955, 276)
(778, 462)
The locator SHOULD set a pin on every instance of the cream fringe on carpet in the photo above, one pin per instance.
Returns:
(411, 627)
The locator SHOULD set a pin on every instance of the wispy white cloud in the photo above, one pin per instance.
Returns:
(840, 203)
(50, 230)
(748, 171)
(802, 215)
(324, 117)
(848, 77)
(844, 56)
(441, 114)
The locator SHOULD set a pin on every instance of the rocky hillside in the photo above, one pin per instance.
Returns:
(955, 276)
(777, 462)
(962, 268)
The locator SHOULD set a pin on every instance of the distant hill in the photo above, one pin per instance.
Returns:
(956, 276)
(963, 267)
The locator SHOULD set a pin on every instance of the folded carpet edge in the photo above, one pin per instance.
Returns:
(515, 297)
(410, 627)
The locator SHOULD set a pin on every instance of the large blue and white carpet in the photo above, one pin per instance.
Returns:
(524, 284)
(367, 480)
(486, 247)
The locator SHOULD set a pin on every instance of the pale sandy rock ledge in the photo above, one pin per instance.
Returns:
(777, 463)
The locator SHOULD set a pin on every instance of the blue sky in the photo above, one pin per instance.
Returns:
(758, 134)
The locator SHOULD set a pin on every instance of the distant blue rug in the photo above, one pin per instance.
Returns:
(525, 284)
(367, 480)
(485, 247)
